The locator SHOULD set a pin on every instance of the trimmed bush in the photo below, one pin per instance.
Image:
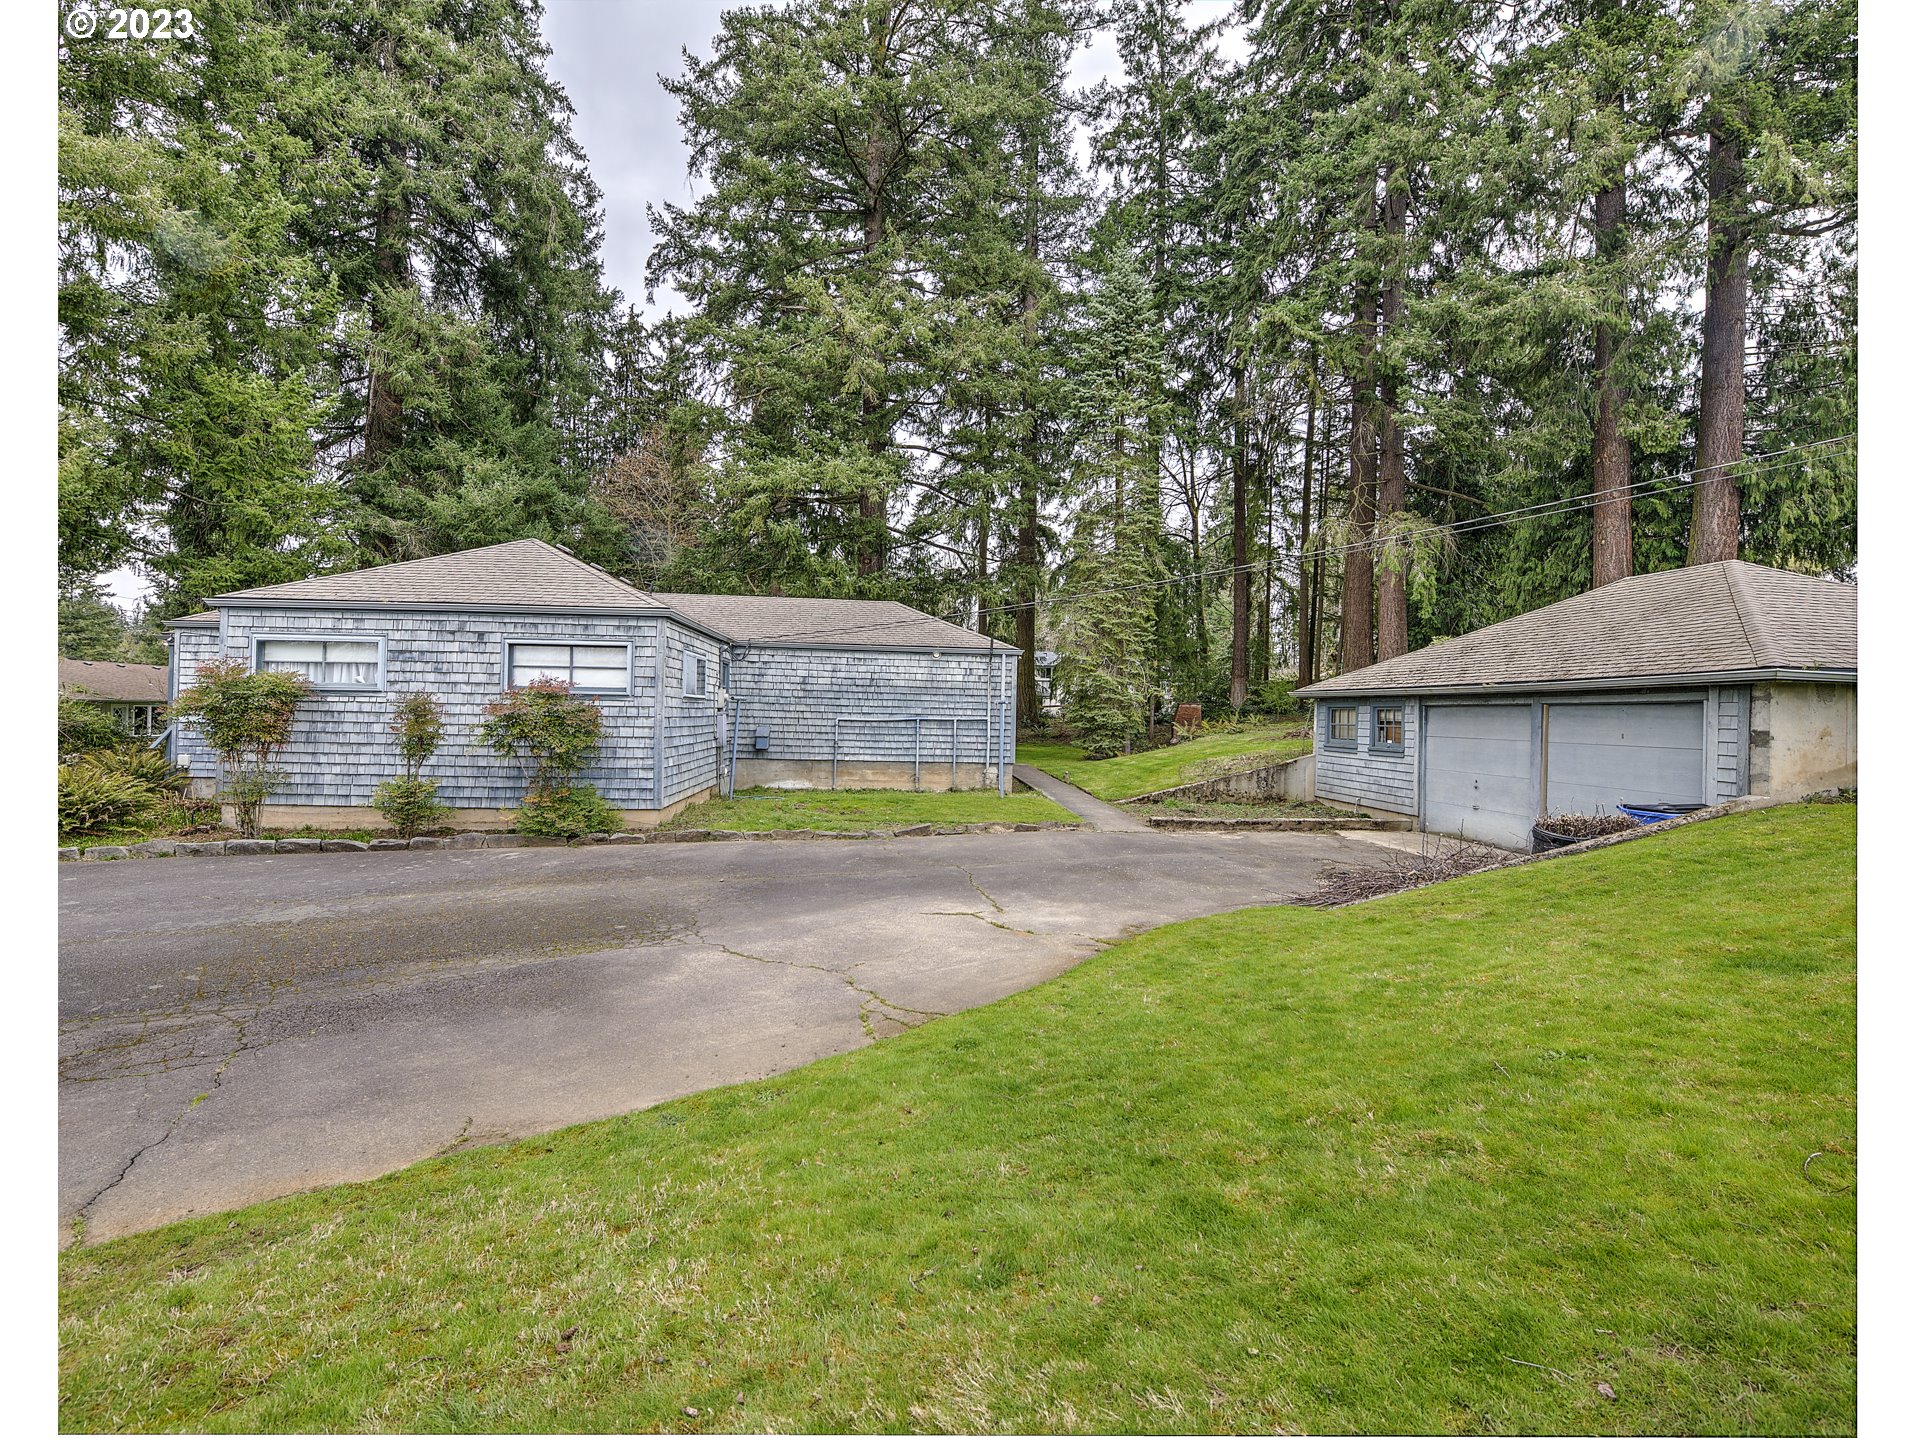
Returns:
(86, 728)
(410, 802)
(567, 812)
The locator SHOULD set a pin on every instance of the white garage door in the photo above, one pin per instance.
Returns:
(1601, 755)
(1478, 773)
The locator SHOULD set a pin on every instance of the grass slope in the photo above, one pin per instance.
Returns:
(1280, 1169)
(1128, 775)
(760, 809)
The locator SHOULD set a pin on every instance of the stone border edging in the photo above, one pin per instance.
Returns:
(224, 848)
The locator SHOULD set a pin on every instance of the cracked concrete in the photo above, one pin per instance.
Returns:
(236, 1031)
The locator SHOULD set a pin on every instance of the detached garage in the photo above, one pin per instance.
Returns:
(1687, 687)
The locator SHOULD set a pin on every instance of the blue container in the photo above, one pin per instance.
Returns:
(1656, 813)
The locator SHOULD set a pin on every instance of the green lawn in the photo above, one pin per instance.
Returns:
(1129, 775)
(757, 809)
(1282, 1169)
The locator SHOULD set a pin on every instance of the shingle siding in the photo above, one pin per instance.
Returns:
(1730, 759)
(691, 734)
(795, 694)
(341, 748)
(1375, 779)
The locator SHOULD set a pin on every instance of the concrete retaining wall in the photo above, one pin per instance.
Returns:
(1293, 781)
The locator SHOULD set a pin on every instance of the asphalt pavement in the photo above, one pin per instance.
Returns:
(235, 1029)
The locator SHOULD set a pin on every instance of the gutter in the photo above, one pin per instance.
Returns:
(1621, 681)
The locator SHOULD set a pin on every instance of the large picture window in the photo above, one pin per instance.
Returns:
(588, 668)
(323, 663)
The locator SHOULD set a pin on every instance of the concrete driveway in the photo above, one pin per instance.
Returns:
(235, 1029)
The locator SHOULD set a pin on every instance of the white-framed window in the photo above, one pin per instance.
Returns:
(693, 674)
(590, 668)
(1387, 727)
(342, 664)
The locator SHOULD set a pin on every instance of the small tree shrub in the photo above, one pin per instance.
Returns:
(246, 719)
(411, 803)
(1104, 715)
(96, 800)
(567, 812)
(554, 733)
(86, 728)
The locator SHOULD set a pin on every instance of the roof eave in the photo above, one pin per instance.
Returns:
(438, 606)
(1611, 681)
(852, 646)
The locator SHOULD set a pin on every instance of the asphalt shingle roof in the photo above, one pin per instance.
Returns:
(840, 623)
(522, 574)
(107, 679)
(1724, 618)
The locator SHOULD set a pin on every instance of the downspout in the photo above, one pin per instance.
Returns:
(733, 656)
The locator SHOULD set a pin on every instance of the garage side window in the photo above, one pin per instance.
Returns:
(1341, 726)
(695, 674)
(588, 668)
(323, 663)
(1387, 727)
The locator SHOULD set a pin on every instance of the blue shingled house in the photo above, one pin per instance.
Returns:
(699, 692)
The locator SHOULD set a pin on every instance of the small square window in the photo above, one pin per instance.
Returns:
(1341, 725)
(1387, 726)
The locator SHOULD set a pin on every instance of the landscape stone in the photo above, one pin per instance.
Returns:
(342, 846)
(249, 846)
(155, 849)
(298, 846)
(107, 851)
(422, 842)
(386, 845)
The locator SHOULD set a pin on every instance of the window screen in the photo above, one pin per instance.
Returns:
(590, 668)
(323, 663)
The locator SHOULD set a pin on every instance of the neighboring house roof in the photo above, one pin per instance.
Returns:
(522, 574)
(833, 623)
(122, 683)
(1723, 620)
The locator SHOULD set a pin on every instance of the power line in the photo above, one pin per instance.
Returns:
(1657, 484)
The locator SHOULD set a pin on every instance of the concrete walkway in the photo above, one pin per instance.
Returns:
(1107, 818)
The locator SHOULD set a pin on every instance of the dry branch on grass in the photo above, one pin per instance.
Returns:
(1437, 860)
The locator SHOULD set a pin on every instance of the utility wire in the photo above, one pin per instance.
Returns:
(1656, 484)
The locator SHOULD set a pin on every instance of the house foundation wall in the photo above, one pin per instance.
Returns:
(1803, 738)
(860, 774)
(361, 816)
